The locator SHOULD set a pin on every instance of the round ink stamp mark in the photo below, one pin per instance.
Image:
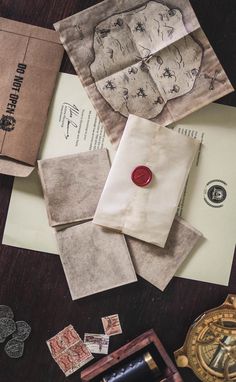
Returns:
(7, 123)
(215, 193)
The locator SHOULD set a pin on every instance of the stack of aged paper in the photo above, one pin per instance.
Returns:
(148, 61)
(27, 224)
(93, 259)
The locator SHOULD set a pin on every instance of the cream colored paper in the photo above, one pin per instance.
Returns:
(143, 57)
(27, 224)
(214, 174)
(146, 213)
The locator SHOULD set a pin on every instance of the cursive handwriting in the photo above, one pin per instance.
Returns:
(69, 117)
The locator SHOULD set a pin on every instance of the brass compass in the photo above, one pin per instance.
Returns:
(210, 346)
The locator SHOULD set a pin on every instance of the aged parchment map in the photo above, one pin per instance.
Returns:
(132, 76)
(145, 58)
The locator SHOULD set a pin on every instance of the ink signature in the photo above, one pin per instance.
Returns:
(69, 117)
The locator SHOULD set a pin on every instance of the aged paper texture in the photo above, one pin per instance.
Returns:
(144, 58)
(146, 213)
(27, 223)
(94, 259)
(72, 185)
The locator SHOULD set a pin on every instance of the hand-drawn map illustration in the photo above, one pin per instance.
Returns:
(134, 70)
(150, 58)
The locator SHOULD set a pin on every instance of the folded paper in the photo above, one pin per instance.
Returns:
(94, 259)
(72, 185)
(146, 213)
(27, 223)
(158, 265)
(145, 58)
(30, 59)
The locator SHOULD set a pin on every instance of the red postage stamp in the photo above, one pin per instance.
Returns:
(62, 340)
(111, 325)
(74, 358)
(69, 351)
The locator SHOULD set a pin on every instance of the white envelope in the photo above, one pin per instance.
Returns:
(146, 213)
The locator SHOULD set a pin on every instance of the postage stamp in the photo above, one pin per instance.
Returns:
(63, 340)
(111, 325)
(97, 343)
(69, 351)
(74, 358)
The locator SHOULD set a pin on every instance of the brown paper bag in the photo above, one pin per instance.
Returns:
(30, 59)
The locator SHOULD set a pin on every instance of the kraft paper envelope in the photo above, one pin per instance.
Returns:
(94, 259)
(158, 265)
(147, 58)
(72, 185)
(30, 59)
(146, 213)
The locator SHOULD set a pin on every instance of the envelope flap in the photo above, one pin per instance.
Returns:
(9, 167)
(30, 59)
(27, 30)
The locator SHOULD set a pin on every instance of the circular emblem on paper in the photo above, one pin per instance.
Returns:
(7, 123)
(215, 193)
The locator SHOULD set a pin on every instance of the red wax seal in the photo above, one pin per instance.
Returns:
(141, 176)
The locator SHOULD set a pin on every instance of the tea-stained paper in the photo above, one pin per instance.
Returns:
(146, 213)
(94, 259)
(146, 58)
(27, 223)
(158, 265)
(72, 185)
(30, 59)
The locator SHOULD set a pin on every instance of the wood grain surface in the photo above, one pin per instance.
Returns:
(33, 283)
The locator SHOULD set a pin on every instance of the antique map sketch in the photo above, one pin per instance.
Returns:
(130, 73)
(149, 58)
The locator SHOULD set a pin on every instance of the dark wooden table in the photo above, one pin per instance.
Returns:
(33, 283)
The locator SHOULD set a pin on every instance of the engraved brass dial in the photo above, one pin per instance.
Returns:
(210, 346)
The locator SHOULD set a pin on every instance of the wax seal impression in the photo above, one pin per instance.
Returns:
(142, 176)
